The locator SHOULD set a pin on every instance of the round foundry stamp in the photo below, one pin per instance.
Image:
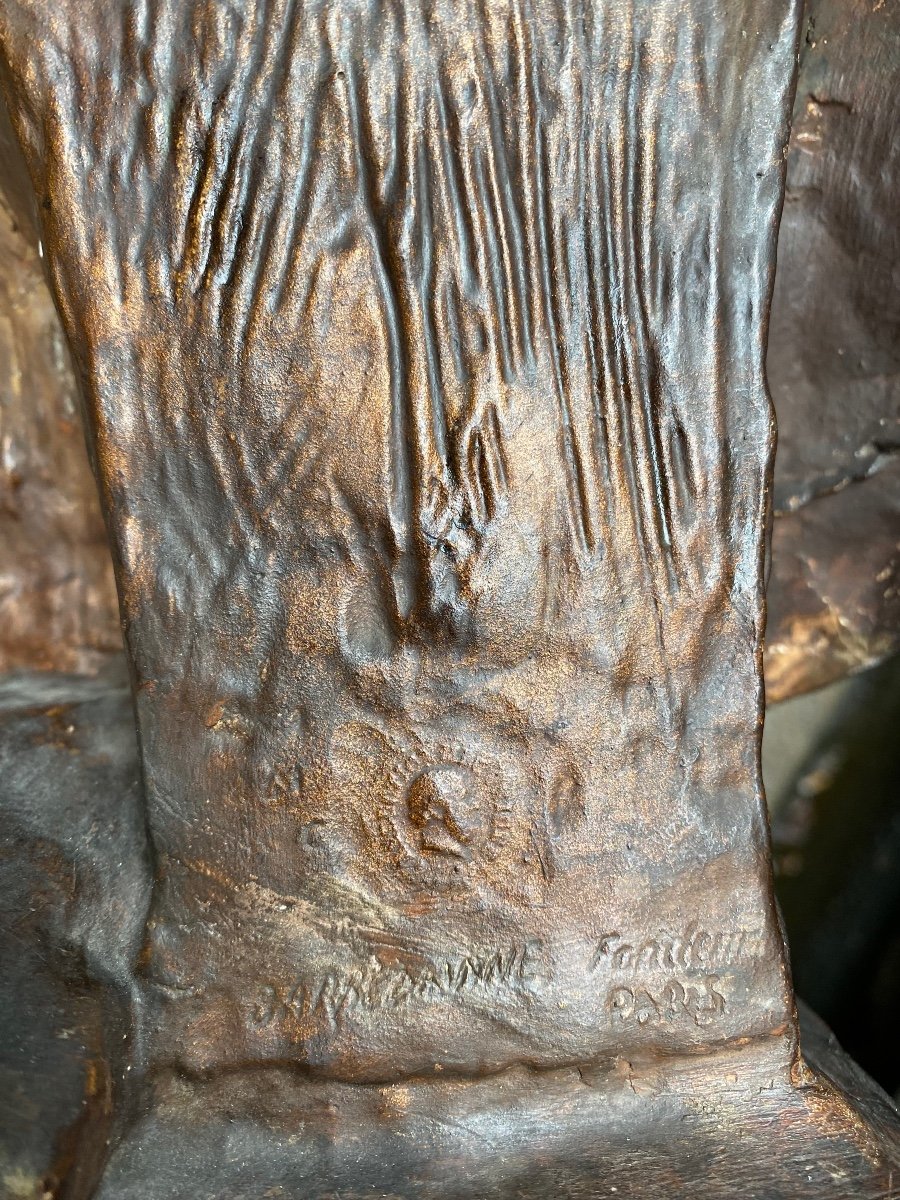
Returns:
(445, 815)
(438, 810)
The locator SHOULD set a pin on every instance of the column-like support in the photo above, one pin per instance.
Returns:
(422, 354)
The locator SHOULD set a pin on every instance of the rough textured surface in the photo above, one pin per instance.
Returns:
(73, 892)
(424, 363)
(74, 887)
(832, 368)
(423, 358)
(834, 356)
(659, 1133)
(58, 606)
(835, 606)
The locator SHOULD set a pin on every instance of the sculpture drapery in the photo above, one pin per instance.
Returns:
(422, 352)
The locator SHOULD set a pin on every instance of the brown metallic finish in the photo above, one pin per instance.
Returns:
(834, 356)
(423, 360)
(422, 349)
(58, 608)
(74, 884)
(831, 367)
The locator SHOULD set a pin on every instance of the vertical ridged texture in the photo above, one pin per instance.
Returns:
(423, 346)
(543, 210)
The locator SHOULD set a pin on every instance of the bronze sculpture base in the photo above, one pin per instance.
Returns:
(77, 1121)
(711, 1128)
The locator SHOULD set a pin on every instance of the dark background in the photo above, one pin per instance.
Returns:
(836, 834)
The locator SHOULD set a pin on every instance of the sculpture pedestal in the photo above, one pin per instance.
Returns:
(423, 360)
(74, 888)
(720, 1127)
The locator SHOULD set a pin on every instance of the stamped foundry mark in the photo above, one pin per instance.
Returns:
(688, 989)
(698, 1001)
(693, 950)
(445, 812)
(387, 986)
(445, 809)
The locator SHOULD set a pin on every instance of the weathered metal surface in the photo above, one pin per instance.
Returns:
(834, 606)
(424, 365)
(74, 884)
(58, 606)
(74, 887)
(834, 356)
(667, 1131)
(423, 360)
(832, 367)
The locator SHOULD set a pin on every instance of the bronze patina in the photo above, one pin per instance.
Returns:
(422, 353)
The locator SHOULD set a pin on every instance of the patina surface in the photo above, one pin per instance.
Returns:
(834, 356)
(423, 358)
(58, 607)
(74, 886)
(832, 366)
(423, 361)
